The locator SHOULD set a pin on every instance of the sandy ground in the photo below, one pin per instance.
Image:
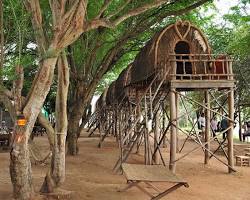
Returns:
(90, 175)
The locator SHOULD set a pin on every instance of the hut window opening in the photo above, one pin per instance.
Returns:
(183, 67)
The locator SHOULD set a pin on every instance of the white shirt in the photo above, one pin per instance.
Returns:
(214, 124)
(202, 121)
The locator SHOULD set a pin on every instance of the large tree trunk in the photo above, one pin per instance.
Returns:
(73, 133)
(76, 111)
(56, 175)
(68, 25)
(80, 101)
(20, 166)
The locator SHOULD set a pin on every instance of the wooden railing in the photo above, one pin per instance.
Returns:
(201, 67)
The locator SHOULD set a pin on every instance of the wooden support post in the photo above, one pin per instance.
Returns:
(207, 128)
(156, 137)
(145, 134)
(137, 115)
(147, 151)
(172, 164)
(230, 131)
(120, 136)
(164, 119)
(177, 121)
(129, 118)
(240, 120)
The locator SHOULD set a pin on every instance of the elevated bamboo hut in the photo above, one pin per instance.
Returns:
(176, 59)
(181, 52)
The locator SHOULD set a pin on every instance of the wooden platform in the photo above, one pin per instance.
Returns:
(148, 174)
(202, 84)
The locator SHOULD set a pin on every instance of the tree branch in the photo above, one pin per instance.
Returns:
(104, 7)
(33, 6)
(105, 22)
(72, 24)
(120, 9)
(5, 98)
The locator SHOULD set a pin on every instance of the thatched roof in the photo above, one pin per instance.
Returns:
(157, 52)
(155, 57)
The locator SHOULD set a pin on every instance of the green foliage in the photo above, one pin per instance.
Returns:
(92, 49)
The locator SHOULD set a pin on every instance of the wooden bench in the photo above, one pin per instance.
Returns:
(136, 174)
(242, 160)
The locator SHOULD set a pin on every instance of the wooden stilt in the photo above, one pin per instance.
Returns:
(230, 131)
(164, 144)
(146, 142)
(177, 121)
(138, 115)
(240, 120)
(207, 128)
(156, 137)
(172, 164)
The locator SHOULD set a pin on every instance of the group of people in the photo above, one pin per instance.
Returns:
(222, 126)
(246, 130)
(216, 126)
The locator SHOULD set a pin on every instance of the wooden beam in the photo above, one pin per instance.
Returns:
(207, 128)
(172, 164)
(156, 137)
(230, 131)
(201, 84)
(177, 121)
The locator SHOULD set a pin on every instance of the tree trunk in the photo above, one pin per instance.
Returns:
(49, 129)
(79, 103)
(73, 135)
(56, 174)
(20, 165)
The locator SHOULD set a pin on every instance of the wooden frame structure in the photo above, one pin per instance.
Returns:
(142, 107)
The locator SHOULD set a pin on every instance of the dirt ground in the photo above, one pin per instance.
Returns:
(90, 174)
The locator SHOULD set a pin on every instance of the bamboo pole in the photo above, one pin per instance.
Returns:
(138, 116)
(172, 164)
(230, 131)
(207, 128)
(146, 161)
(240, 119)
(156, 137)
(177, 121)
(203, 106)
(164, 119)
(203, 146)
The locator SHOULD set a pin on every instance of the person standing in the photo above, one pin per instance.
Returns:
(247, 130)
(224, 126)
(202, 123)
(214, 126)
